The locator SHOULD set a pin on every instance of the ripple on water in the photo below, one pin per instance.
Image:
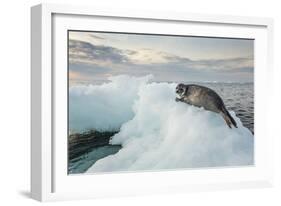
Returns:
(238, 98)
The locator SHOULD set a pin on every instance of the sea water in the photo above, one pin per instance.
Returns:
(238, 97)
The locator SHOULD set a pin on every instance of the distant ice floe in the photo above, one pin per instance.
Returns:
(156, 132)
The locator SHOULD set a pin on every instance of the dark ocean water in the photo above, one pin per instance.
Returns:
(238, 97)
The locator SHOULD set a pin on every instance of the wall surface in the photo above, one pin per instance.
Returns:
(15, 101)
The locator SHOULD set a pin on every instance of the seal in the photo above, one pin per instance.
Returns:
(205, 97)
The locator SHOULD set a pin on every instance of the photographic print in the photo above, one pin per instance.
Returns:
(150, 102)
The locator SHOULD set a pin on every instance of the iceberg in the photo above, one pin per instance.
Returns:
(103, 107)
(155, 131)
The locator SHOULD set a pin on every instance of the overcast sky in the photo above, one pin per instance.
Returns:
(93, 57)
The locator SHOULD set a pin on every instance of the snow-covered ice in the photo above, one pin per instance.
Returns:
(156, 132)
(104, 107)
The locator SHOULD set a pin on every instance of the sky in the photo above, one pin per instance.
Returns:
(95, 56)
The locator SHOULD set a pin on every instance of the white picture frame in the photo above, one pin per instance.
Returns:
(49, 180)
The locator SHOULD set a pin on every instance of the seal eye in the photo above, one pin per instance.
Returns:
(179, 90)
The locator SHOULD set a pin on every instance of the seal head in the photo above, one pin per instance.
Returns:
(181, 89)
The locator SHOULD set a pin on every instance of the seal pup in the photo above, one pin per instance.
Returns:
(201, 96)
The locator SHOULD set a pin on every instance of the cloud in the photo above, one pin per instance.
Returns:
(147, 56)
(96, 37)
(225, 64)
(99, 60)
(84, 52)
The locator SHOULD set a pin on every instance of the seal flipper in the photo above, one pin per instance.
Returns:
(178, 99)
(232, 120)
(228, 118)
